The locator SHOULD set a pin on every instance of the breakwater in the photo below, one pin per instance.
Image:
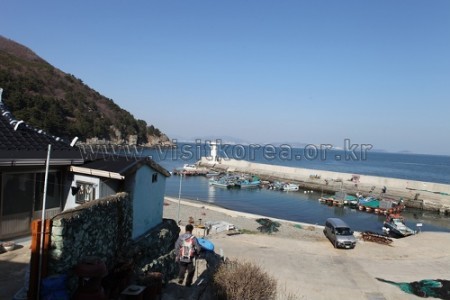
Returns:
(417, 194)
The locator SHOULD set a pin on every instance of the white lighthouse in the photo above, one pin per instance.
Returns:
(213, 155)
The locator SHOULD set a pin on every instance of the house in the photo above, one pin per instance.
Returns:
(23, 156)
(71, 179)
(142, 178)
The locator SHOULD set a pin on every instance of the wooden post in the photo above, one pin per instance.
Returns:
(35, 255)
(46, 248)
(34, 260)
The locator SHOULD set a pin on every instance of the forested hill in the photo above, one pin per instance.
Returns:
(49, 99)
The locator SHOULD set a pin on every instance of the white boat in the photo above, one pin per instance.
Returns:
(289, 187)
(396, 224)
(188, 167)
(224, 182)
(276, 185)
(213, 174)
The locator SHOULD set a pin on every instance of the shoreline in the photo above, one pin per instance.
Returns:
(415, 194)
(233, 213)
(241, 220)
(283, 253)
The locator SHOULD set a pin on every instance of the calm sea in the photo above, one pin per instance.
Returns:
(300, 206)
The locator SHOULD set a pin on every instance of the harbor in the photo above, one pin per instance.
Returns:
(307, 184)
(428, 196)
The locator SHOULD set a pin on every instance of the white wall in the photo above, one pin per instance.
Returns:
(70, 202)
(147, 197)
(148, 200)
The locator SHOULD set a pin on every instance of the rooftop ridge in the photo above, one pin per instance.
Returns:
(24, 145)
(16, 124)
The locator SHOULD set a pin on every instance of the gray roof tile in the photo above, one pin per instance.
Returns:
(23, 144)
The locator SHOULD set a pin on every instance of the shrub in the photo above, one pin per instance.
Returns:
(236, 280)
(267, 225)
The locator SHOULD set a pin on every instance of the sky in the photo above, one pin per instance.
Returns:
(319, 72)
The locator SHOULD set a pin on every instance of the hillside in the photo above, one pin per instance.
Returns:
(60, 103)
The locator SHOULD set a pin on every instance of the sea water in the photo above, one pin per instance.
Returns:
(303, 206)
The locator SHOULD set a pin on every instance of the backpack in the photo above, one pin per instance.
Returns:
(187, 250)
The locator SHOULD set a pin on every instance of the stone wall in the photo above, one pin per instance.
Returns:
(103, 228)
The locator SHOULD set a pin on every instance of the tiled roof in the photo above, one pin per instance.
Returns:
(22, 144)
(120, 165)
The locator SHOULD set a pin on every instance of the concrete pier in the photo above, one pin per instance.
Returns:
(417, 194)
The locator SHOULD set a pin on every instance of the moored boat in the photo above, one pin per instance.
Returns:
(339, 199)
(224, 181)
(289, 187)
(254, 182)
(383, 206)
(189, 169)
(396, 225)
(213, 174)
(276, 185)
(368, 204)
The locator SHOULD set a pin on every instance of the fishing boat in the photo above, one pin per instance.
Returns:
(380, 206)
(396, 225)
(213, 174)
(338, 199)
(368, 204)
(289, 187)
(189, 169)
(254, 182)
(276, 185)
(225, 181)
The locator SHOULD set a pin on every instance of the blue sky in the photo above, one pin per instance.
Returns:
(375, 72)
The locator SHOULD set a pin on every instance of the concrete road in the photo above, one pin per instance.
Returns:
(315, 270)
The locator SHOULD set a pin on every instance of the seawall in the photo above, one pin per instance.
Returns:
(417, 194)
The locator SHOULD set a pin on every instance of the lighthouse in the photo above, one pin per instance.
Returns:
(213, 154)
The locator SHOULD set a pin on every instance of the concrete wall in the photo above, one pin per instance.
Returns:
(109, 187)
(148, 198)
(103, 228)
(70, 201)
(426, 195)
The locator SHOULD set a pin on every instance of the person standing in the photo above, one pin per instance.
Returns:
(186, 250)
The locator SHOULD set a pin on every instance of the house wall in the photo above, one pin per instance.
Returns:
(70, 201)
(21, 201)
(102, 228)
(148, 199)
(109, 187)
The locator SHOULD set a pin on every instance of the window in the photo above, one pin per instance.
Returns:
(18, 193)
(86, 192)
(53, 190)
(155, 177)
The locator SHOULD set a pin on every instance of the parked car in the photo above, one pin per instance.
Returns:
(339, 233)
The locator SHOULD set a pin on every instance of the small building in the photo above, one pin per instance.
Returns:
(142, 178)
(71, 179)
